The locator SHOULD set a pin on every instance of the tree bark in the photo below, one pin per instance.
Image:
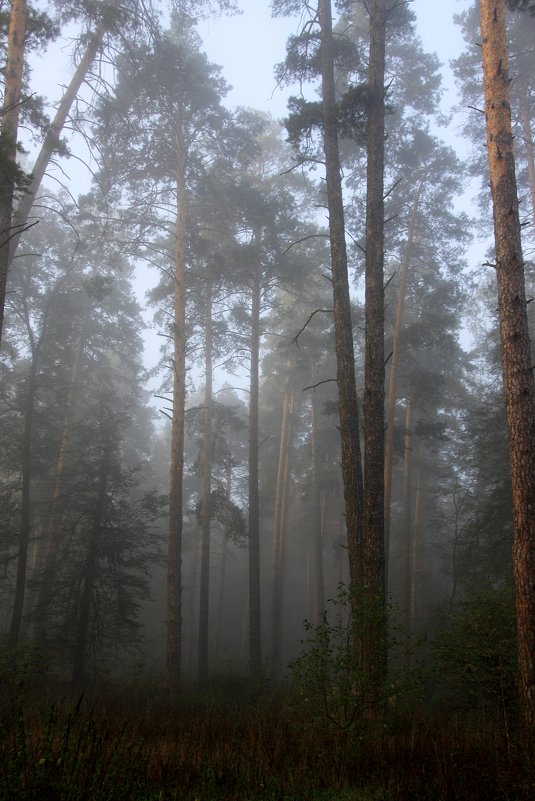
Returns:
(406, 531)
(46, 590)
(374, 384)
(394, 369)
(8, 137)
(318, 500)
(90, 570)
(204, 596)
(343, 327)
(25, 525)
(174, 564)
(223, 571)
(514, 339)
(281, 492)
(52, 137)
(255, 646)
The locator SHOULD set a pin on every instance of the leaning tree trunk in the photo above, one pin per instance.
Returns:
(53, 134)
(204, 596)
(255, 647)
(174, 548)
(343, 327)
(514, 339)
(374, 383)
(8, 137)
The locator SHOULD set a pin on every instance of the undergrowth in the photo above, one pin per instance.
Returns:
(104, 748)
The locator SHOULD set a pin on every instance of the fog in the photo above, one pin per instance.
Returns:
(187, 494)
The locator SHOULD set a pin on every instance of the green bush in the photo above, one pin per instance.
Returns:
(474, 654)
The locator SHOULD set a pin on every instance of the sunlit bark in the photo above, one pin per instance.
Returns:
(514, 338)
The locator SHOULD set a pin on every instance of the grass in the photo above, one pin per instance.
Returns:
(240, 741)
(244, 743)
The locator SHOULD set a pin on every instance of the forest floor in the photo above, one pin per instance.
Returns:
(235, 742)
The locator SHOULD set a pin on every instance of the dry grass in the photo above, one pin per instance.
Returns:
(245, 745)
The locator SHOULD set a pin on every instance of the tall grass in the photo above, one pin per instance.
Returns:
(238, 742)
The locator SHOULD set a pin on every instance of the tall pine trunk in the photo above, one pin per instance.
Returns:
(318, 500)
(255, 642)
(343, 327)
(174, 549)
(374, 416)
(406, 530)
(514, 339)
(25, 524)
(8, 137)
(394, 368)
(204, 596)
(90, 569)
(53, 531)
(281, 495)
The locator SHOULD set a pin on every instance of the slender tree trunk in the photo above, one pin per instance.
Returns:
(90, 571)
(25, 524)
(318, 500)
(514, 339)
(343, 327)
(53, 134)
(406, 531)
(174, 564)
(8, 137)
(255, 646)
(374, 385)
(204, 597)
(223, 572)
(394, 367)
(46, 590)
(416, 545)
(277, 591)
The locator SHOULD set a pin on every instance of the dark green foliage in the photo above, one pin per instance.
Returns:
(306, 118)
(335, 680)
(226, 512)
(475, 654)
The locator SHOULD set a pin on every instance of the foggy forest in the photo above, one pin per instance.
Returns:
(267, 464)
